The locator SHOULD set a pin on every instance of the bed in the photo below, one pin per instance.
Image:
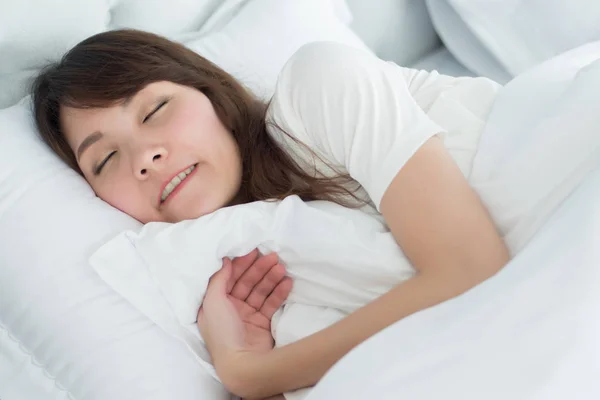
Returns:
(528, 334)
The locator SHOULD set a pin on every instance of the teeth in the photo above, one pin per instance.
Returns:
(175, 182)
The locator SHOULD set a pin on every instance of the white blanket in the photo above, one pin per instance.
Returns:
(529, 333)
(339, 258)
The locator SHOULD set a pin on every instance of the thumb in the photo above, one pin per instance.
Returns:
(218, 319)
(218, 282)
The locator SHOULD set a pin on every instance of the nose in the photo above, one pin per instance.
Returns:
(150, 159)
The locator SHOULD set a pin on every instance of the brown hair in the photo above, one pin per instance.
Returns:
(108, 67)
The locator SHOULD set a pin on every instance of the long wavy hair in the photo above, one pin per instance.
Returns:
(108, 67)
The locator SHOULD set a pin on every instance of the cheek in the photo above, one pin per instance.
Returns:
(233, 154)
(197, 125)
(199, 129)
(124, 196)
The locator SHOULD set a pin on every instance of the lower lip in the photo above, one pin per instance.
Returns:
(180, 186)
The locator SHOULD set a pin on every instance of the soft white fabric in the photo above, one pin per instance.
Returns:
(396, 30)
(526, 164)
(367, 117)
(255, 53)
(444, 62)
(501, 39)
(29, 37)
(22, 377)
(530, 332)
(461, 42)
(165, 18)
(252, 39)
(339, 259)
(81, 335)
(540, 142)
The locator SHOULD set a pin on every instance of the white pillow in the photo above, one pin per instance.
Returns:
(255, 56)
(442, 61)
(29, 38)
(27, 379)
(230, 38)
(163, 17)
(500, 39)
(396, 30)
(88, 340)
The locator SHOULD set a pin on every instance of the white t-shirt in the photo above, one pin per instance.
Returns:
(367, 117)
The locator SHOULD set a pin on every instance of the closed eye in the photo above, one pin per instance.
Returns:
(99, 167)
(158, 107)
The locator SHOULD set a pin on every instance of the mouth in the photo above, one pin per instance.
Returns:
(173, 185)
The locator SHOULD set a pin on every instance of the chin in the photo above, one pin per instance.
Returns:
(194, 214)
(197, 208)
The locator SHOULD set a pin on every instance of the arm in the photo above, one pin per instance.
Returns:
(443, 229)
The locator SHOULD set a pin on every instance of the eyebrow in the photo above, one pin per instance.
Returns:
(94, 137)
(88, 141)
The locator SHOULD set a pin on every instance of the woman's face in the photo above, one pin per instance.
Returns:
(162, 155)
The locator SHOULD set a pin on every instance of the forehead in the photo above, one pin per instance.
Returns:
(77, 123)
(145, 91)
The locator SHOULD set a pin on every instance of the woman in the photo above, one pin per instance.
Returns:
(164, 135)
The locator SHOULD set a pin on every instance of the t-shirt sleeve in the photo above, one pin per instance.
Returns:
(354, 110)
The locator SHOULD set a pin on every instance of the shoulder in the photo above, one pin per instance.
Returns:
(305, 115)
(320, 75)
(327, 64)
(323, 58)
(309, 77)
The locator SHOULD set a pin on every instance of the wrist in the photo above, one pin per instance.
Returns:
(242, 372)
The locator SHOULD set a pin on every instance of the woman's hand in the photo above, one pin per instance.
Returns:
(236, 314)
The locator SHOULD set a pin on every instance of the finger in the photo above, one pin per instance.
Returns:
(240, 265)
(265, 287)
(253, 275)
(218, 282)
(277, 297)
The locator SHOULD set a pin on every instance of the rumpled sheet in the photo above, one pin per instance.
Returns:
(339, 259)
(529, 333)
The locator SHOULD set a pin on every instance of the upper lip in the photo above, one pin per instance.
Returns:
(164, 185)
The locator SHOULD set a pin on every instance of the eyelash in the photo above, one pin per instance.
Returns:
(98, 169)
(158, 107)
